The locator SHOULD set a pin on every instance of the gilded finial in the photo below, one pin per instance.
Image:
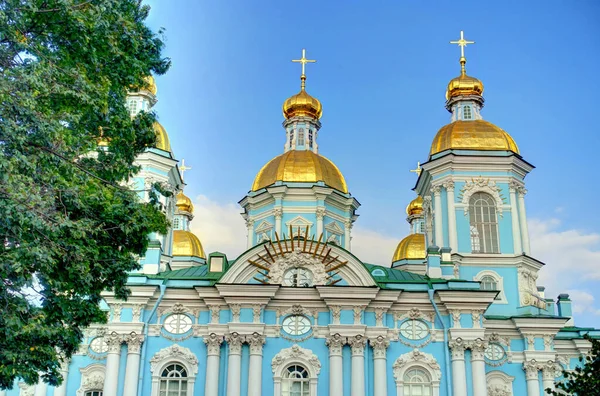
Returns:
(418, 170)
(303, 61)
(462, 43)
(183, 168)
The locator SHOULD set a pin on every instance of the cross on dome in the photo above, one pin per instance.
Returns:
(462, 43)
(183, 168)
(303, 61)
(418, 170)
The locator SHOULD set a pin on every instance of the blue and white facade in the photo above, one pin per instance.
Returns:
(298, 314)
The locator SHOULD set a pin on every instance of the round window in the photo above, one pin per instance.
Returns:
(494, 352)
(177, 323)
(296, 325)
(298, 277)
(414, 329)
(99, 345)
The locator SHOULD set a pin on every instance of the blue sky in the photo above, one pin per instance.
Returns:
(381, 72)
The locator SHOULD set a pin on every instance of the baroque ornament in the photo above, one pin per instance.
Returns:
(335, 343)
(379, 345)
(256, 342)
(298, 259)
(415, 356)
(213, 344)
(175, 352)
(481, 185)
(295, 353)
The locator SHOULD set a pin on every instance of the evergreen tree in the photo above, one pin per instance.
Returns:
(70, 227)
(585, 379)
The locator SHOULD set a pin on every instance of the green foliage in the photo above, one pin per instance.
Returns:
(585, 379)
(70, 228)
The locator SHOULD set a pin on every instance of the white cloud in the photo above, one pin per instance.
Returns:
(372, 246)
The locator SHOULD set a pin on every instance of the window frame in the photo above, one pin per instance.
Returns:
(166, 379)
(296, 319)
(501, 297)
(287, 381)
(173, 354)
(189, 325)
(413, 322)
(427, 383)
(483, 232)
(467, 112)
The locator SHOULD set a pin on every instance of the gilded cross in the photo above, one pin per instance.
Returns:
(462, 43)
(183, 168)
(303, 60)
(418, 170)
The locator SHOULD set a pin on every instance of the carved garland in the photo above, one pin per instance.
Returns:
(481, 185)
(296, 354)
(423, 359)
(175, 352)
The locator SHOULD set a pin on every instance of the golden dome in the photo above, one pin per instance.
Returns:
(464, 85)
(186, 243)
(415, 207)
(411, 247)
(184, 203)
(302, 104)
(472, 135)
(150, 85)
(302, 167)
(162, 138)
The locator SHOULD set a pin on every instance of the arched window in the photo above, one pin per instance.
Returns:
(467, 113)
(484, 224)
(295, 381)
(310, 138)
(93, 393)
(489, 283)
(298, 277)
(417, 383)
(301, 137)
(173, 381)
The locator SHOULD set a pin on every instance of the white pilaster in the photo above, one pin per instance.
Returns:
(336, 381)
(379, 345)
(514, 214)
(3, 392)
(234, 364)
(549, 374)
(61, 390)
(347, 234)
(358, 343)
(320, 214)
(532, 377)
(478, 367)
(250, 228)
(132, 370)
(459, 377)
(213, 352)
(523, 218)
(41, 388)
(452, 232)
(437, 216)
(111, 376)
(256, 342)
(278, 213)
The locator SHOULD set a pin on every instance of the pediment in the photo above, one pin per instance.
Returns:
(264, 227)
(298, 221)
(334, 228)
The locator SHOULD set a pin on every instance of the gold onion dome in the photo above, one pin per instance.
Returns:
(472, 135)
(411, 247)
(184, 203)
(464, 85)
(300, 167)
(302, 105)
(162, 138)
(415, 207)
(185, 243)
(150, 85)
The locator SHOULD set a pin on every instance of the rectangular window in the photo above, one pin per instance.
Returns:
(467, 113)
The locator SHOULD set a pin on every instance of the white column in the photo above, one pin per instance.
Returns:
(278, 213)
(132, 370)
(452, 232)
(379, 345)
(336, 381)
(3, 392)
(437, 216)
(320, 214)
(111, 375)
(213, 352)
(459, 377)
(549, 373)
(357, 382)
(61, 390)
(478, 367)
(234, 364)
(514, 214)
(250, 228)
(256, 342)
(347, 234)
(41, 388)
(532, 377)
(523, 219)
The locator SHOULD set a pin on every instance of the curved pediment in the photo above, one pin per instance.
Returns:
(298, 262)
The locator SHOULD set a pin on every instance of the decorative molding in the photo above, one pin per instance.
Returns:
(92, 378)
(174, 352)
(358, 310)
(116, 312)
(481, 185)
(379, 345)
(215, 311)
(527, 286)
(295, 354)
(336, 312)
(499, 383)
(476, 316)
(137, 312)
(213, 344)
(256, 310)
(298, 259)
(379, 316)
(176, 308)
(235, 312)
(336, 344)
(548, 342)
(421, 359)
(455, 319)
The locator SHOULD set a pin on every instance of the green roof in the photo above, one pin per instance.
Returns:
(393, 275)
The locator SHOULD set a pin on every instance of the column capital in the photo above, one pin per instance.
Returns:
(320, 213)
(550, 370)
(256, 342)
(335, 343)
(114, 341)
(448, 185)
(358, 343)
(278, 212)
(436, 190)
(249, 223)
(478, 347)
(215, 311)
(522, 191)
(235, 312)
(379, 315)
(513, 186)
(336, 312)
(134, 342)
(235, 341)
(213, 344)
(531, 368)
(458, 347)
(379, 345)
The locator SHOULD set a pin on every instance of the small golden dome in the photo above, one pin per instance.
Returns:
(162, 138)
(415, 207)
(464, 85)
(411, 247)
(301, 167)
(185, 243)
(184, 203)
(472, 135)
(150, 85)
(302, 104)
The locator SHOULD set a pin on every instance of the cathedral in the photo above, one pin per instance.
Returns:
(456, 312)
